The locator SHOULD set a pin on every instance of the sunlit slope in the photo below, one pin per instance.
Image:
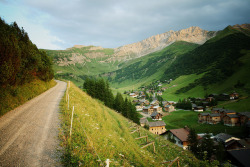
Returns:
(99, 132)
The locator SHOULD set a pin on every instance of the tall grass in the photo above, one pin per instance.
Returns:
(12, 97)
(100, 133)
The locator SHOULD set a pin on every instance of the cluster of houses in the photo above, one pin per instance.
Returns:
(207, 102)
(156, 113)
(237, 150)
(148, 108)
(228, 117)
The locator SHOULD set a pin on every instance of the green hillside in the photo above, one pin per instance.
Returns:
(149, 68)
(217, 59)
(100, 133)
(81, 62)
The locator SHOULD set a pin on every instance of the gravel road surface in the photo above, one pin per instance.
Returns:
(29, 134)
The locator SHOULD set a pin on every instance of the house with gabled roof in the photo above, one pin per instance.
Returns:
(143, 122)
(180, 136)
(216, 110)
(199, 108)
(234, 96)
(224, 138)
(155, 102)
(231, 120)
(156, 116)
(244, 117)
(157, 127)
(134, 95)
(148, 110)
(213, 118)
(139, 107)
(169, 108)
(202, 117)
(225, 112)
(157, 108)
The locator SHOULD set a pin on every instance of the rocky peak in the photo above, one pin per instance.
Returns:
(160, 41)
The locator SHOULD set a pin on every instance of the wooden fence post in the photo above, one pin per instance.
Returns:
(71, 122)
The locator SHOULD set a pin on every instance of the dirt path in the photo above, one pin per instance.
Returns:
(29, 134)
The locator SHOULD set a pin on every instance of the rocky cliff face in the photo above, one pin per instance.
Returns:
(138, 49)
(160, 41)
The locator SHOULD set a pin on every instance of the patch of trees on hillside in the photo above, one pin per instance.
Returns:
(99, 89)
(21, 61)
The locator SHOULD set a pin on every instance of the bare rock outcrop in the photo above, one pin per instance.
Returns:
(160, 41)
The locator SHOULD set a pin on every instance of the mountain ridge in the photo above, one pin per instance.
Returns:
(157, 42)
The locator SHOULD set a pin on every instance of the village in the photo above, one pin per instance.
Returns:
(153, 108)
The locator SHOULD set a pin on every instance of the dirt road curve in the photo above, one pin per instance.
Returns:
(29, 134)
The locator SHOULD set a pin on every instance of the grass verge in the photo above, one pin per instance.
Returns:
(12, 97)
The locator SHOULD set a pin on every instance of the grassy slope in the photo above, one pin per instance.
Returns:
(92, 66)
(13, 97)
(226, 86)
(167, 55)
(98, 130)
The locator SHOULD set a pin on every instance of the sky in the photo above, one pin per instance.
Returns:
(61, 24)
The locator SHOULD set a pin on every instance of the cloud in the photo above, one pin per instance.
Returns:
(112, 23)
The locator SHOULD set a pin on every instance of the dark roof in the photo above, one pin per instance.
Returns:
(158, 123)
(143, 120)
(245, 114)
(194, 105)
(217, 109)
(232, 116)
(223, 136)
(181, 134)
(215, 115)
(155, 114)
(229, 111)
(242, 156)
(204, 114)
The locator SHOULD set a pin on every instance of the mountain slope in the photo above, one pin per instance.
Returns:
(150, 67)
(192, 35)
(217, 58)
(80, 61)
(100, 133)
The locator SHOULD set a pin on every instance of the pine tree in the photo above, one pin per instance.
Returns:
(207, 146)
(193, 141)
(118, 103)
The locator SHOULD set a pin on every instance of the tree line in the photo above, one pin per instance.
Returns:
(21, 61)
(100, 89)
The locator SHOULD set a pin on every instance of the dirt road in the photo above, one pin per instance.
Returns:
(29, 134)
